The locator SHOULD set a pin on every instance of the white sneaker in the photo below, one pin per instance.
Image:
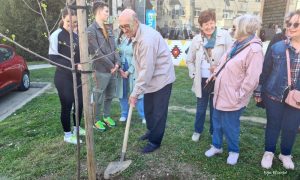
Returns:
(144, 121)
(213, 151)
(71, 139)
(122, 119)
(196, 136)
(232, 158)
(81, 131)
(287, 161)
(267, 160)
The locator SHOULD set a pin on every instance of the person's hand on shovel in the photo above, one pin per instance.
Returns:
(132, 100)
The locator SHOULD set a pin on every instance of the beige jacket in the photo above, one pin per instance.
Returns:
(196, 55)
(153, 61)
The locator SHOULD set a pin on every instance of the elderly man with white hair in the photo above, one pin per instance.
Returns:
(238, 76)
(155, 75)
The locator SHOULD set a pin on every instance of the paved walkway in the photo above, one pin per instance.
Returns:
(39, 66)
(243, 118)
(17, 99)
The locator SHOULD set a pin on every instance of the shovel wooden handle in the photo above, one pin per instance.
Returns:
(125, 140)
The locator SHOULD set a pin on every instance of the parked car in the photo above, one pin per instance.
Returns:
(14, 73)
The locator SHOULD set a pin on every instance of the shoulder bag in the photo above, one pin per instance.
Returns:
(293, 96)
(210, 85)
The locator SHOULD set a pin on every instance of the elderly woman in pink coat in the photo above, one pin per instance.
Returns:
(239, 74)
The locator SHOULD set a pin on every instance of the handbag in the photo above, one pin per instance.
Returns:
(293, 96)
(210, 85)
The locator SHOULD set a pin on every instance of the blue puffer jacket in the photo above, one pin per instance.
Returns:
(273, 80)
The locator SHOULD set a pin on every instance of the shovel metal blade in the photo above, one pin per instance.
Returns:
(114, 168)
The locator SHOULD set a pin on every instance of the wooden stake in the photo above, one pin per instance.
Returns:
(88, 119)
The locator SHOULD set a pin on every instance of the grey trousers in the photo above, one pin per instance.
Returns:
(104, 92)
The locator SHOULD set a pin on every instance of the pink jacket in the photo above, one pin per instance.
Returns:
(239, 78)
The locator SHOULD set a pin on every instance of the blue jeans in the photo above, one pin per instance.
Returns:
(201, 110)
(125, 107)
(227, 122)
(280, 117)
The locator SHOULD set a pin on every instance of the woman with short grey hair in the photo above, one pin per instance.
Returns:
(238, 76)
(246, 25)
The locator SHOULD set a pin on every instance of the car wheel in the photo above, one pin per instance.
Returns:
(25, 83)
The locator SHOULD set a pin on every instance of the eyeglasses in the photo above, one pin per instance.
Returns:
(125, 26)
(295, 25)
(233, 28)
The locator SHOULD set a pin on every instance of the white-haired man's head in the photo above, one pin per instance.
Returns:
(128, 22)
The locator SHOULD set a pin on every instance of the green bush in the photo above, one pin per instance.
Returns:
(27, 26)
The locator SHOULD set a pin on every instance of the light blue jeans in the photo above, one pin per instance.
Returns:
(227, 122)
(125, 107)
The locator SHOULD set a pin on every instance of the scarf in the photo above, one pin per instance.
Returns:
(211, 41)
(237, 45)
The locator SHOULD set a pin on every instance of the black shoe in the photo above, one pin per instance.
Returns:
(150, 147)
(145, 136)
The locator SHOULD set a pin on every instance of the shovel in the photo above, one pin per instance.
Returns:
(115, 168)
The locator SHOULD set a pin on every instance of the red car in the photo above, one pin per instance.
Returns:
(14, 73)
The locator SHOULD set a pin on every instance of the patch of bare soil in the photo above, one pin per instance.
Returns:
(170, 172)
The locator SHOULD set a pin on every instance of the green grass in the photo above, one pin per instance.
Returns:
(31, 144)
(42, 75)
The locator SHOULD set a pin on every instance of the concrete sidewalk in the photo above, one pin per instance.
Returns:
(39, 66)
(17, 99)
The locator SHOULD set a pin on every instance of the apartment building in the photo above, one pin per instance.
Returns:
(186, 12)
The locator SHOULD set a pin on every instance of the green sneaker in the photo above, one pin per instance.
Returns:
(99, 125)
(109, 121)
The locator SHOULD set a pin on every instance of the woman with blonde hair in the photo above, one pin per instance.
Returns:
(281, 118)
(235, 80)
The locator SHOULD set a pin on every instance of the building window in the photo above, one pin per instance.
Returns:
(239, 13)
(228, 14)
(197, 11)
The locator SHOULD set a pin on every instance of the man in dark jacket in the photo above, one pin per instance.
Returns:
(106, 62)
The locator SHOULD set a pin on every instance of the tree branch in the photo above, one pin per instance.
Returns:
(45, 22)
(30, 7)
(36, 54)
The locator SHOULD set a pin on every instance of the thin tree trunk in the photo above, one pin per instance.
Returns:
(75, 91)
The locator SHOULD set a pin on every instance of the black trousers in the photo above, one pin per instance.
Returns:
(156, 111)
(64, 84)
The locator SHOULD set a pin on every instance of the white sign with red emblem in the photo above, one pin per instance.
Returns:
(179, 50)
